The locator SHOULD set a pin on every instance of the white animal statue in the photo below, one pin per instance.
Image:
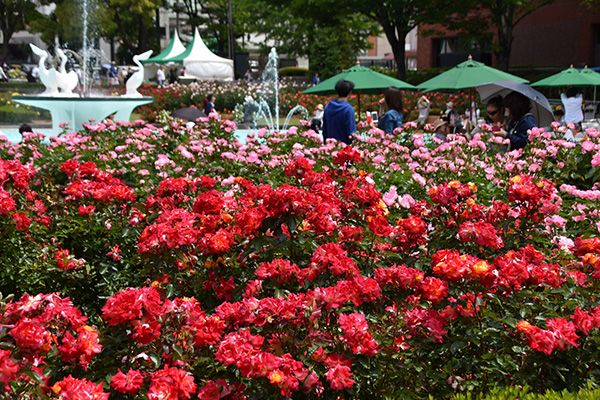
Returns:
(47, 76)
(136, 79)
(66, 81)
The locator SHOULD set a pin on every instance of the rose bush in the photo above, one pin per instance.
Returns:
(159, 261)
(230, 94)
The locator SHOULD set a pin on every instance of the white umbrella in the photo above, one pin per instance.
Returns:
(540, 107)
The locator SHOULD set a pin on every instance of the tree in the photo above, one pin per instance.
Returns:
(211, 15)
(398, 17)
(14, 15)
(130, 23)
(64, 23)
(330, 39)
(505, 15)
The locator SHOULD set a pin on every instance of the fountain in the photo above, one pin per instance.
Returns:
(72, 109)
(256, 110)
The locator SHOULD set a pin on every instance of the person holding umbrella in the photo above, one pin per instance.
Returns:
(519, 120)
(338, 117)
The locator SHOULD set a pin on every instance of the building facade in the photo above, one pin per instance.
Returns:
(562, 33)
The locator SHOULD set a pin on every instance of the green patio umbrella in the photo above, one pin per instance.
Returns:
(174, 48)
(467, 75)
(571, 77)
(592, 76)
(365, 81)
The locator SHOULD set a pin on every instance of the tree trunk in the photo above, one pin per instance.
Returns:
(397, 40)
(504, 47)
(112, 48)
(142, 33)
(504, 29)
(5, 41)
(158, 33)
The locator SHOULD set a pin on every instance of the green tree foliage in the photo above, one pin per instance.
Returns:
(64, 23)
(130, 23)
(14, 15)
(331, 34)
(398, 17)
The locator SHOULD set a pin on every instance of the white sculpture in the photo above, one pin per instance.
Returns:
(66, 81)
(136, 79)
(47, 76)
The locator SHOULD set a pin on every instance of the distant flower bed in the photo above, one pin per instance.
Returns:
(156, 261)
(230, 94)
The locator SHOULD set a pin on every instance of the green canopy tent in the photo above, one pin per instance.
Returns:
(467, 75)
(174, 48)
(365, 81)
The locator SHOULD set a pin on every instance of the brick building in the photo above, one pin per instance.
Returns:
(557, 35)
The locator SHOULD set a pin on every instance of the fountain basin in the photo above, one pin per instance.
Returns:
(76, 111)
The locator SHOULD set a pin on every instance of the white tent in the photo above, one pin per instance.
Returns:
(202, 63)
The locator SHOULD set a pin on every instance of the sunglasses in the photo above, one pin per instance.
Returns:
(492, 113)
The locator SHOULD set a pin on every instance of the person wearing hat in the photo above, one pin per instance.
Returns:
(317, 120)
(441, 129)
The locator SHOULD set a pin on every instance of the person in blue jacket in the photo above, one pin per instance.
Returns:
(519, 120)
(338, 117)
(392, 118)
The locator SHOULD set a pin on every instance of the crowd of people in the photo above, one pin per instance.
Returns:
(509, 117)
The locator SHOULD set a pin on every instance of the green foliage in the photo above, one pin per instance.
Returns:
(24, 87)
(293, 71)
(65, 22)
(16, 115)
(514, 393)
(14, 16)
(331, 39)
(130, 23)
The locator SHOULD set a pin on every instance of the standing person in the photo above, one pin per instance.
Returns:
(113, 74)
(316, 79)
(392, 118)
(338, 117)
(317, 121)
(172, 75)
(572, 103)
(423, 105)
(519, 120)
(160, 76)
(209, 104)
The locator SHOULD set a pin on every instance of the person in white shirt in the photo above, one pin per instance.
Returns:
(572, 103)
(160, 76)
(423, 106)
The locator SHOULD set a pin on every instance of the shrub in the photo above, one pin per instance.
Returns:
(191, 264)
(293, 71)
(525, 394)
